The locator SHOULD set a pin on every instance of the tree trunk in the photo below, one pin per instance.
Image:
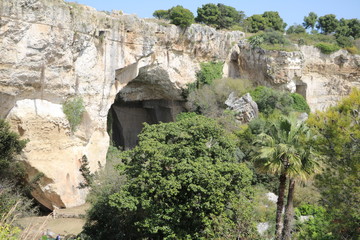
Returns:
(280, 206)
(289, 212)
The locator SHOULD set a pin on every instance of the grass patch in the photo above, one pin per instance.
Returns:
(279, 47)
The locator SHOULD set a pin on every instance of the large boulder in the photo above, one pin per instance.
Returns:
(244, 107)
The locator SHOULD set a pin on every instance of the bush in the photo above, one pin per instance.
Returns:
(74, 109)
(300, 103)
(327, 48)
(269, 99)
(344, 41)
(181, 16)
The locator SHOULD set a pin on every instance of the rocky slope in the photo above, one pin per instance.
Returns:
(52, 51)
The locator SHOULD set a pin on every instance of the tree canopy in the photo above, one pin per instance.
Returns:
(181, 177)
(267, 20)
(310, 20)
(219, 16)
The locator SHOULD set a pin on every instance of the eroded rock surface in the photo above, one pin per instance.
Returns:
(52, 51)
(322, 79)
(244, 107)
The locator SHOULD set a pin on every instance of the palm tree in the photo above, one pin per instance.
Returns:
(281, 152)
(309, 166)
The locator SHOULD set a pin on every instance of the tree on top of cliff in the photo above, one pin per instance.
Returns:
(327, 23)
(219, 16)
(181, 16)
(267, 20)
(177, 15)
(310, 20)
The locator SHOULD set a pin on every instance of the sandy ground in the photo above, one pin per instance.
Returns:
(66, 221)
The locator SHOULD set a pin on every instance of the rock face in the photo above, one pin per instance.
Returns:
(322, 79)
(52, 51)
(244, 107)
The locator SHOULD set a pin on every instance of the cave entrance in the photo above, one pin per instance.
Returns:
(148, 97)
(301, 89)
(128, 117)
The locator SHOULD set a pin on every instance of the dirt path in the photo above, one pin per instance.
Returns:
(66, 221)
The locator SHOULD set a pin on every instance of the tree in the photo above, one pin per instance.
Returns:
(274, 21)
(219, 16)
(267, 20)
(310, 20)
(180, 178)
(181, 16)
(161, 14)
(208, 14)
(296, 29)
(283, 151)
(328, 23)
(338, 140)
(229, 16)
(255, 23)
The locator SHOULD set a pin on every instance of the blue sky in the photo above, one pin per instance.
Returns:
(292, 11)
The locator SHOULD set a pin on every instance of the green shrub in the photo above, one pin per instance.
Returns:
(209, 72)
(74, 109)
(344, 41)
(269, 99)
(327, 48)
(300, 103)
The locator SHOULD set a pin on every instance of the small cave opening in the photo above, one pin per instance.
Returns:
(301, 89)
(147, 96)
(126, 118)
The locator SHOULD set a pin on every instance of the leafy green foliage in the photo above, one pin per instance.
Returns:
(209, 100)
(295, 29)
(74, 109)
(327, 23)
(161, 14)
(209, 71)
(310, 20)
(208, 14)
(316, 227)
(10, 146)
(181, 16)
(229, 16)
(86, 173)
(103, 221)
(327, 48)
(271, 40)
(179, 177)
(339, 141)
(269, 99)
(267, 20)
(300, 104)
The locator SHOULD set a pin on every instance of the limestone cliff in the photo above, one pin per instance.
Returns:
(321, 78)
(52, 50)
